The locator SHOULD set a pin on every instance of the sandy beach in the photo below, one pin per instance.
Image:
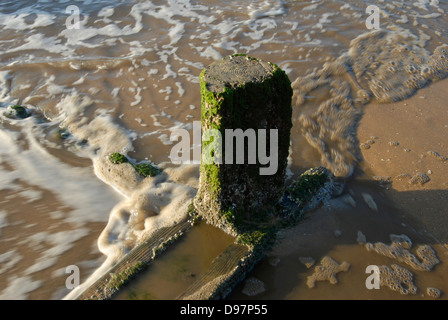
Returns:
(420, 127)
(127, 76)
(381, 199)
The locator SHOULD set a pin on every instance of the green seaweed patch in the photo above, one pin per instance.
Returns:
(307, 185)
(242, 220)
(230, 216)
(118, 280)
(258, 239)
(251, 238)
(118, 158)
(17, 112)
(257, 235)
(144, 169)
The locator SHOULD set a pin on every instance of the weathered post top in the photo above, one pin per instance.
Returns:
(246, 122)
(234, 71)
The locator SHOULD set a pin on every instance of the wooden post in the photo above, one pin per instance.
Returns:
(241, 92)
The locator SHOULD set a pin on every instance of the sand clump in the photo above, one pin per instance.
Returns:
(437, 155)
(399, 250)
(383, 181)
(419, 178)
(433, 293)
(253, 287)
(394, 143)
(398, 279)
(327, 271)
(365, 146)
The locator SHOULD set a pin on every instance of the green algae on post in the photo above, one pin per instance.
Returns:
(192, 214)
(242, 92)
(314, 183)
(307, 184)
(257, 239)
(143, 169)
(307, 192)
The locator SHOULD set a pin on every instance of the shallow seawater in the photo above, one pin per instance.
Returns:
(128, 76)
(179, 267)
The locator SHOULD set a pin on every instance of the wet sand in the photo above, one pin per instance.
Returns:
(418, 125)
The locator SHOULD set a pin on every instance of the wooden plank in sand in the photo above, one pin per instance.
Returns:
(136, 260)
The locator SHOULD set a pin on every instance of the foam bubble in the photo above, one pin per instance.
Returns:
(397, 279)
(9, 259)
(327, 271)
(265, 8)
(39, 41)
(253, 287)
(399, 249)
(3, 219)
(17, 21)
(150, 204)
(37, 167)
(106, 12)
(59, 242)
